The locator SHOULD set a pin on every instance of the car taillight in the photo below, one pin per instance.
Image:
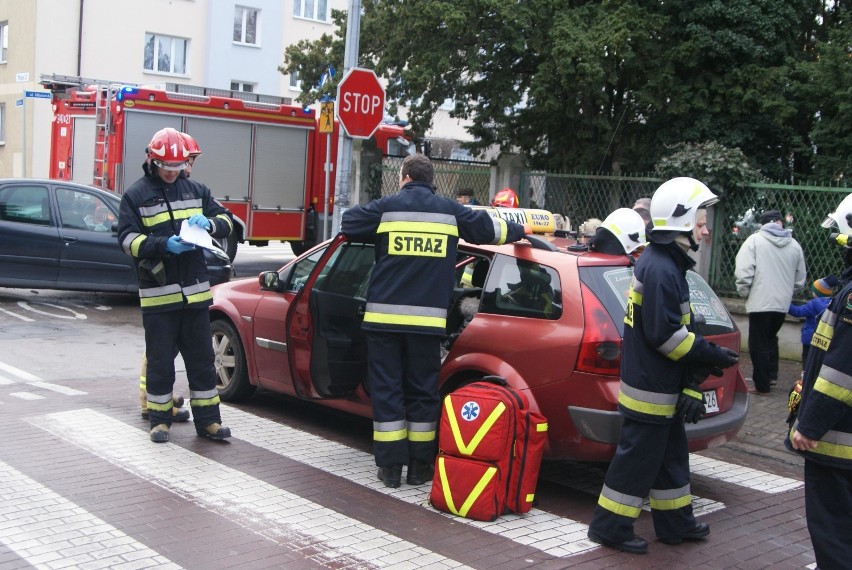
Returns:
(600, 348)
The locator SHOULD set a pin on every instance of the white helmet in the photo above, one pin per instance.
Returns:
(676, 202)
(627, 226)
(841, 217)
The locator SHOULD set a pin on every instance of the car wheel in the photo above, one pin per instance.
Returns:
(230, 360)
(229, 245)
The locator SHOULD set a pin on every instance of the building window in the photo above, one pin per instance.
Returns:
(4, 41)
(294, 81)
(312, 9)
(2, 123)
(246, 25)
(242, 86)
(165, 54)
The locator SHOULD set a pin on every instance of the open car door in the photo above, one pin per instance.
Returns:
(327, 348)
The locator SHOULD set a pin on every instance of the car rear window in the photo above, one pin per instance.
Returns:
(611, 285)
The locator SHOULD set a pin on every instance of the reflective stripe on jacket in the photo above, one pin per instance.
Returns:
(416, 233)
(152, 211)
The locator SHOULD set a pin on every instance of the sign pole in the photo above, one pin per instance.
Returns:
(24, 134)
(344, 144)
(326, 126)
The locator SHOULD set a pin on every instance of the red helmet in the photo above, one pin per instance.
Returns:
(191, 144)
(167, 150)
(506, 198)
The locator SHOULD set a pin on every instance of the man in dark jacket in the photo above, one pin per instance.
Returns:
(416, 233)
(822, 432)
(662, 364)
(174, 287)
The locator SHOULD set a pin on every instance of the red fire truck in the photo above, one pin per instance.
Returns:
(264, 158)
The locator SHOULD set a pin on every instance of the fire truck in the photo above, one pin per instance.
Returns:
(263, 157)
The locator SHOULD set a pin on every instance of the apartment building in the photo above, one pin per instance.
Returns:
(212, 43)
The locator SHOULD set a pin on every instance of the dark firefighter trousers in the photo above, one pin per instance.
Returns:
(828, 509)
(186, 331)
(402, 376)
(651, 460)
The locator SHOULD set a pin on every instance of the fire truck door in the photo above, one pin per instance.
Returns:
(83, 151)
(328, 349)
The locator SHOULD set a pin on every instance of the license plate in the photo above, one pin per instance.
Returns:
(711, 404)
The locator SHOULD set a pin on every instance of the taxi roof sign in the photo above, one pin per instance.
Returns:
(539, 221)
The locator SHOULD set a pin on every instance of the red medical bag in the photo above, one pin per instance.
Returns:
(491, 446)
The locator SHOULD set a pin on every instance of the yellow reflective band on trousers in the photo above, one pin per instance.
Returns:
(834, 384)
(204, 398)
(469, 448)
(160, 403)
(390, 431)
(472, 497)
(417, 244)
(421, 431)
(837, 444)
(645, 402)
(619, 503)
(407, 315)
(670, 499)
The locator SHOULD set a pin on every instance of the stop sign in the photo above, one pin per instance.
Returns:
(360, 103)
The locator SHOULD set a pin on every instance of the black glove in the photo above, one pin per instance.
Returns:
(723, 357)
(698, 373)
(690, 405)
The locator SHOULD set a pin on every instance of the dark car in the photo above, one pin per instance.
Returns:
(547, 314)
(61, 235)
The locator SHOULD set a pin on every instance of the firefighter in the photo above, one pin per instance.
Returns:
(662, 364)
(416, 232)
(178, 413)
(822, 431)
(505, 198)
(623, 231)
(174, 289)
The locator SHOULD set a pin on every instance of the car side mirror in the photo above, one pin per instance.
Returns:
(269, 281)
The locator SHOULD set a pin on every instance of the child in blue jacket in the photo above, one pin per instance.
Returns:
(822, 290)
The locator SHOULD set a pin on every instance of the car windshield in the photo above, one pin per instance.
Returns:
(611, 285)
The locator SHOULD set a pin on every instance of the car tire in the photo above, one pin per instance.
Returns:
(230, 360)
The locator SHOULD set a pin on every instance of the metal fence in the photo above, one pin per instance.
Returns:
(584, 196)
(450, 176)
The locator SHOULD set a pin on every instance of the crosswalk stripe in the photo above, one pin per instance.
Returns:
(57, 388)
(262, 508)
(47, 530)
(552, 534)
(742, 476)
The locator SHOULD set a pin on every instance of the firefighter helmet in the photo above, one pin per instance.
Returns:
(505, 198)
(627, 226)
(676, 202)
(191, 144)
(841, 217)
(167, 150)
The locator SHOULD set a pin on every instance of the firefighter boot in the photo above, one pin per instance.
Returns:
(213, 431)
(391, 476)
(698, 532)
(160, 433)
(419, 472)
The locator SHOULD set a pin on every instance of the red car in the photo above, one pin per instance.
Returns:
(545, 313)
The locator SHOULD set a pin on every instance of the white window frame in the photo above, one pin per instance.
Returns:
(295, 82)
(4, 41)
(309, 9)
(173, 41)
(2, 124)
(241, 86)
(243, 12)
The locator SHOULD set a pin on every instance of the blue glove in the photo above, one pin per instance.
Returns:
(176, 246)
(199, 220)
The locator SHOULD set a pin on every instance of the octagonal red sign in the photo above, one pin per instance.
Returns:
(360, 102)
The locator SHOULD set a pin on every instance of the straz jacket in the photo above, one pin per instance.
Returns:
(825, 412)
(416, 233)
(659, 345)
(151, 212)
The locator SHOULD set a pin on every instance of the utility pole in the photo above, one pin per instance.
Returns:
(344, 142)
